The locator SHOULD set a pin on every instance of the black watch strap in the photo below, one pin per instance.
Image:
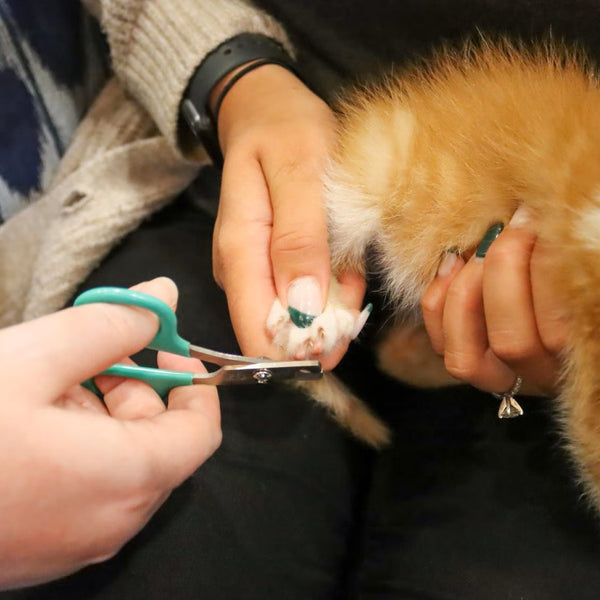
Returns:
(236, 51)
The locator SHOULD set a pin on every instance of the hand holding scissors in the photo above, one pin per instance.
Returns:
(86, 475)
(234, 369)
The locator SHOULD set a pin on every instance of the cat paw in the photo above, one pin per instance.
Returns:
(406, 354)
(334, 326)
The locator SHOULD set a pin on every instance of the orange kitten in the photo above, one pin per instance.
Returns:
(427, 161)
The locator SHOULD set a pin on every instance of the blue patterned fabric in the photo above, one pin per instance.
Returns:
(52, 64)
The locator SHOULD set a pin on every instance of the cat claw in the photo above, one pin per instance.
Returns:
(361, 320)
(334, 326)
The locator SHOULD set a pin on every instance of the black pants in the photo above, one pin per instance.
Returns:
(290, 507)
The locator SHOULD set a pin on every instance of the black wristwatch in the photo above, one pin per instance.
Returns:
(251, 48)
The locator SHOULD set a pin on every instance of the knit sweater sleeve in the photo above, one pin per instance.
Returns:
(156, 45)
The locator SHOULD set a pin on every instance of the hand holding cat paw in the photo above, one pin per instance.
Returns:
(497, 317)
(271, 229)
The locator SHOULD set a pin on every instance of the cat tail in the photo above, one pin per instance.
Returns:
(348, 410)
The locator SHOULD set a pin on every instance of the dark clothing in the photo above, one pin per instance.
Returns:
(462, 506)
(52, 64)
(354, 40)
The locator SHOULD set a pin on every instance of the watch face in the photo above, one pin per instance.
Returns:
(195, 120)
(202, 127)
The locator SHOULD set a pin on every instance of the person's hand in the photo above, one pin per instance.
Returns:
(80, 477)
(497, 317)
(271, 228)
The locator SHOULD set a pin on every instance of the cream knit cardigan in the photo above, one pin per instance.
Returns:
(128, 157)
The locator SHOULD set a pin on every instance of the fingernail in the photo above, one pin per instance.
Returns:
(447, 264)
(361, 320)
(491, 234)
(521, 217)
(304, 300)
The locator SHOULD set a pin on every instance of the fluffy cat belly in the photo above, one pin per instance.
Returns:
(450, 150)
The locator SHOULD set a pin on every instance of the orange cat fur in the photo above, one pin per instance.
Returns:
(427, 161)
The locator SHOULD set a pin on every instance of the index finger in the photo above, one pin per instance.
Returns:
(65, 348)
(549, 299)
(240, 251)
(299, 244)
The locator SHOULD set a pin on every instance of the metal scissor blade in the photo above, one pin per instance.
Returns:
(262, 372)
(221, 358)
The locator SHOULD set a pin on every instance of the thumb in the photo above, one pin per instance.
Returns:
(65, 348)
(299, 246)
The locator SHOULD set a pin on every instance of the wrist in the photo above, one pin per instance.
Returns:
(260, 100)
(216, 74)
(213, 97)
(224, 85)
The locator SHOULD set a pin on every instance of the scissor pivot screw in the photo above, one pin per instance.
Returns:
(262, 376)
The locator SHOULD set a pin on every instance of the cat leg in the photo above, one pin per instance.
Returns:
(406, 354)
(579, 403)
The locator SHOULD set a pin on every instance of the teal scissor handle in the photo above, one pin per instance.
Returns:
(161, 381)
(234, 369)
(166, 339)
